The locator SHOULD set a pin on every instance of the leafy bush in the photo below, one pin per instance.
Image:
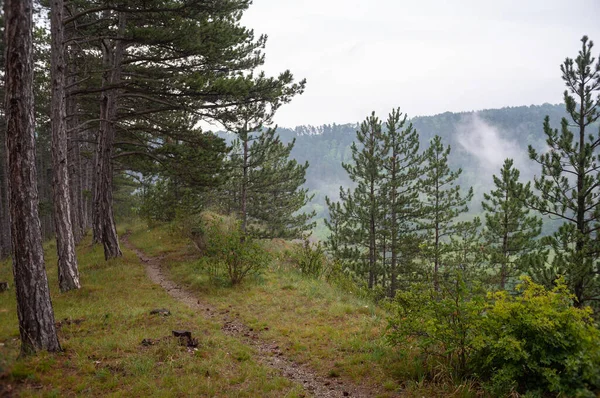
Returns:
(310, 259)
(442, 325)
(232, 252)
(536, 343)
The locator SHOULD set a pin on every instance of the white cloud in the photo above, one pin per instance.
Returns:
(490, 146)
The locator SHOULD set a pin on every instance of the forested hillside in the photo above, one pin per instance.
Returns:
(480, 141)
(144, 254)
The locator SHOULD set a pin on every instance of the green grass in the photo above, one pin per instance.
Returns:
(102, 327)
(336, 333)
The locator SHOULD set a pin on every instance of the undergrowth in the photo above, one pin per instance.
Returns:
(101, 328)
(317, 316)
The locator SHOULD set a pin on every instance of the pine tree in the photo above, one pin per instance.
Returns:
(68, 272)
(34, 307)
(279, 204)
(569, 185)
(510, 228)
(402, 167)
(158, 58)
(358, 217)
(253, 152)
(5, 241)
(341, 240)
(268, 186)
(442, 201)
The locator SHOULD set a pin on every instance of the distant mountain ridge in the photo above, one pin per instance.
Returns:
(326, 147)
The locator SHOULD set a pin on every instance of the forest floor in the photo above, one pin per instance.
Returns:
(279, 334)
(266, 352)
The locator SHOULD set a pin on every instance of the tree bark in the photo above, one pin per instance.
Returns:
(244, 193)
(104, 222)
(74, 148)
(34, 307)
(75, 173)
(44, 176)
(88, 182)
(68, 272)
(5, 245)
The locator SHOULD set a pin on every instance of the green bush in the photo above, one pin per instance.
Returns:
(442, 325)
(538, 343)
(233, 253)
(535, 343)
(310, 259)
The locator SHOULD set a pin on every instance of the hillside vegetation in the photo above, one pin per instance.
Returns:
(325, 322)
(103, 324)
(480, 141)
(446, 255)
(102, 327)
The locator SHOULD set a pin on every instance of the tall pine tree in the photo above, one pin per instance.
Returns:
(161, 58)
(510, 229)
(443, 202)
(402, 165)
(569, 185)
(68, 271)
(358, 216)
(267, 186)
(34, 306)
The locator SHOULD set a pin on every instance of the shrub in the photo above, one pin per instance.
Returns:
(442, 325)
(538, 343)
(235, 254)
(310, 259)
(535, 343)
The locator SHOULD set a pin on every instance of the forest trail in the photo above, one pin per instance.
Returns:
(267, 353)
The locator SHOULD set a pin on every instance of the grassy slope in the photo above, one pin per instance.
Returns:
(336, 333)
(106, 322)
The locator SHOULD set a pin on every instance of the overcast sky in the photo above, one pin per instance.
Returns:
(426, 56)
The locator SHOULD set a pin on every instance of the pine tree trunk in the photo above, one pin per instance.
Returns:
(394, 232)
(88, 181)
(75, 174)
(68, 273)
(74, 152)
(95, 207)
(394, 259)
(5, 245)
(504, 265)
(45, 194)
(579, 285)
(244, 193)
(104, 222)
(372, 240)
(436, 247)
(436, 267)
(34, 307)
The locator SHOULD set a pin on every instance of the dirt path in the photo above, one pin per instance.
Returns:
(268, 353)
